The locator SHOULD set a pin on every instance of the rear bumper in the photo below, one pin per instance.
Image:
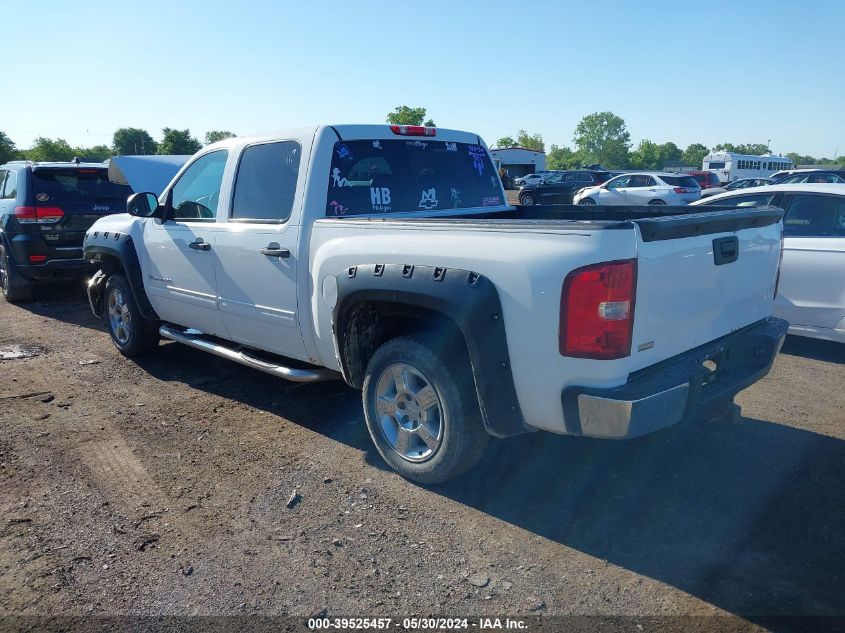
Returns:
(677, 389)
(55, 269)
(61, 262)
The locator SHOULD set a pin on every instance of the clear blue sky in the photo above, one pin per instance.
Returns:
(682, 71)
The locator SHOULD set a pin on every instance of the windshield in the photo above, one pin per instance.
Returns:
(396, 176)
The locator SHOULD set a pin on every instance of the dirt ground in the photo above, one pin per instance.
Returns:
(161, 487)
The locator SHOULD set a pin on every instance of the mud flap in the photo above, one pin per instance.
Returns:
(95, 293)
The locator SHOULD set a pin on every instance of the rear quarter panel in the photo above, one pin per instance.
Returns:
(526, 266)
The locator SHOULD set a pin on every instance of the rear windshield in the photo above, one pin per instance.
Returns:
(78, 186)
(396, 176)
(680, 181)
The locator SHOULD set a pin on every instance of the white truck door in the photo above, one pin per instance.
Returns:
(812, 285)
(258, 251)
(178, 255)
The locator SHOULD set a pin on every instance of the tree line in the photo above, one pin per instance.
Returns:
(600, 137)
(126, 141)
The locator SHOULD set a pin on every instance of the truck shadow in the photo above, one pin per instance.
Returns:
(64, 301)
(747, 516)
(814, 349)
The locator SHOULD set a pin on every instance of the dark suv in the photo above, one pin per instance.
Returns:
(45, 209)
(559, 187)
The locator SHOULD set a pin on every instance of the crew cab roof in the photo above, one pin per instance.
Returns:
(349, 132)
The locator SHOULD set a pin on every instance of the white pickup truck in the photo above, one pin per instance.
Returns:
(388, 257)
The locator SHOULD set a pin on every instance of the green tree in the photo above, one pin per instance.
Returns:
(404, 115)
(646, 156)
(95, 154)
(178, 142)
(694, 155)
(754, 149)
(562, 158)
(130, 141)
(46, 149)
(534, 142)
(212, 136)
(8, 151)
(506, 141)
(670, 155)
(603, 137)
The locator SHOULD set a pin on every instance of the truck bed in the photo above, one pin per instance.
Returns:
(655, 222)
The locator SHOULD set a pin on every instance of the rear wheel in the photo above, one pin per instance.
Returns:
(657, 203)
(421, 410)
(15, 288)
(131, 333)
(587, 202)
(526, 200)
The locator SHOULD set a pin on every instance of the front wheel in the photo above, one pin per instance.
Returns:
(131, 333)
(587, 202)
(421, 409)
(526, 200)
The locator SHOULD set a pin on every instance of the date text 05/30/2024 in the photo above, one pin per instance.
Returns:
(416, 624)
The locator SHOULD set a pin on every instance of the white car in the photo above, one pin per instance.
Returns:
(811, 294)
(530, 179)
(654, 188)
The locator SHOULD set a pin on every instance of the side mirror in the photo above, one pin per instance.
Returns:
(143, 205)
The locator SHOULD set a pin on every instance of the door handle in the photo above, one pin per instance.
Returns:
(274, 250)
(200, 245)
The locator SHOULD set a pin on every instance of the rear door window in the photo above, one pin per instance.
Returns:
(80, 188)
(266, 182)
(399, 176)
(7, 178)
(809, 215)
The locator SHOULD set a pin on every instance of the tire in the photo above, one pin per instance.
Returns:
(421, 409)
(587, 202)
(657, 203)
(14, 287)
(131, 333)
(526, 200)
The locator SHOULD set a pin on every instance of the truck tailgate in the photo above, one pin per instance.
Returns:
(702, 276)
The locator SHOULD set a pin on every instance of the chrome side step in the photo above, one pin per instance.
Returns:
(288, 373)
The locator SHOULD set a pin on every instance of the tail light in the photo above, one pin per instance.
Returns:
(37, 259)
(682, 190)
(39, 215)
(413, 130)
(597, 310)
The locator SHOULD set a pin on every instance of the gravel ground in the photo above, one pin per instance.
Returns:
(161, 487)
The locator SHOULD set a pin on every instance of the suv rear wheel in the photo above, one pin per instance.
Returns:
(15, 288)
(421, 410)
(131, 333)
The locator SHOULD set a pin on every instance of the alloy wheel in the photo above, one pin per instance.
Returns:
(120, 319)
(409, 412)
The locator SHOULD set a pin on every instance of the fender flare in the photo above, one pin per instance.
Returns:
(470, 300)
(120, 246)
